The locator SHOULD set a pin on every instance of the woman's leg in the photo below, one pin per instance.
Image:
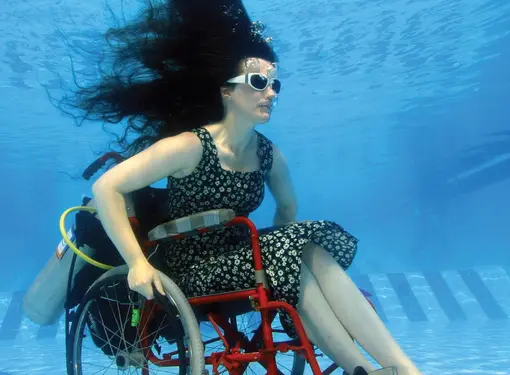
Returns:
(354, 312)
(323, 327)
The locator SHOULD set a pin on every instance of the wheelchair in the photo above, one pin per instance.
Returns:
(231, 332)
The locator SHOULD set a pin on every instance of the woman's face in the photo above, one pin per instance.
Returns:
(245, 100)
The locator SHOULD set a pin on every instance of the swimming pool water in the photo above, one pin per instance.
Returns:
(447, 350)
(392, 96)
(449, 322)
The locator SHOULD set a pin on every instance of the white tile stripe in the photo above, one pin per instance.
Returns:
(61, 331)
(463, 295)
(5, 301)
(426, 298)
(388, 298)
(498, 283)
(28, 330)
(494, 277)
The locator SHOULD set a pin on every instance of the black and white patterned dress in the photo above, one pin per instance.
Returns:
(221, 261)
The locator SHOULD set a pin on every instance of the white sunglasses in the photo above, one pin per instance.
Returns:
(258, 81)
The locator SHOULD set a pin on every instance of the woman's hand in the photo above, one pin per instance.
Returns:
(141, 276)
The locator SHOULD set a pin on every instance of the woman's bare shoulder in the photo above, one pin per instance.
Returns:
(169, 156)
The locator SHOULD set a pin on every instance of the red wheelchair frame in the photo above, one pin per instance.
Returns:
(234, 358)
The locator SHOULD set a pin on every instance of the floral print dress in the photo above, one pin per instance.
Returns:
(221, 261)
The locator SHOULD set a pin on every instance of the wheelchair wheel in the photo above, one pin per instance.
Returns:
(113, 333)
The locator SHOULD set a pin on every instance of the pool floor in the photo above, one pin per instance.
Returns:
(459, 348)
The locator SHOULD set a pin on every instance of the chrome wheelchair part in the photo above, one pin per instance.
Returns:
(125, 360)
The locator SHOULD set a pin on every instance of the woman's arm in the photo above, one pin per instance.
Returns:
(162, 159)
(280, 186)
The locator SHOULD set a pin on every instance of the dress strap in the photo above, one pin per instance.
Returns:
(265, 153)
(210, 152)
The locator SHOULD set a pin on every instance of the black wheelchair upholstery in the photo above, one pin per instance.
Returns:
(150, 208)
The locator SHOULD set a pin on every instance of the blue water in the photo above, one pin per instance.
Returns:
(395, 122)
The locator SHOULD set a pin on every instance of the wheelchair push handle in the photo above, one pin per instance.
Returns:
(99, 163)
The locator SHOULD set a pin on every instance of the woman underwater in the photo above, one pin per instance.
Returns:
(193, 79)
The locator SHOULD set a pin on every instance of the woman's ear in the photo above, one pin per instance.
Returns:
(226, 92)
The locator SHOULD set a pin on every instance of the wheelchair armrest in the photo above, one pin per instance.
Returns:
(190, 225)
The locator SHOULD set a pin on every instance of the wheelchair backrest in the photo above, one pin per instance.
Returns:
(151, 207)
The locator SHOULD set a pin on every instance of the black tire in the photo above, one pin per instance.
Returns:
(184, 326)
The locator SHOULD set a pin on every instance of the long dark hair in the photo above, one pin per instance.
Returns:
(165, 69)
